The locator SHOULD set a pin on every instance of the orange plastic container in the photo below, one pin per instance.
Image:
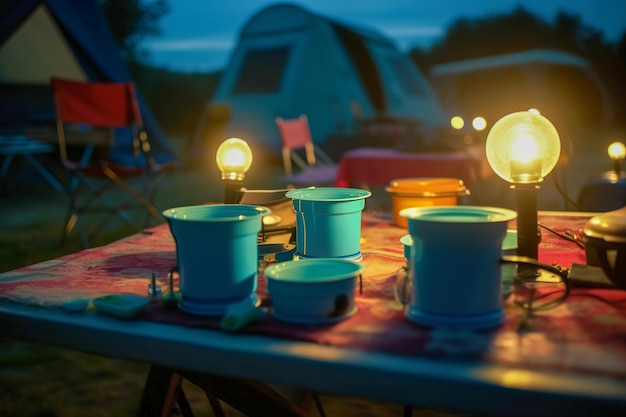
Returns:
(423, 192)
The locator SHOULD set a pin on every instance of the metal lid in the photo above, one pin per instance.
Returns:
(610, 227)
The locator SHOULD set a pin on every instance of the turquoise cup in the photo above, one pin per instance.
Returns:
(508, 270)
(454, 265)
(217, 255)
(328, 221)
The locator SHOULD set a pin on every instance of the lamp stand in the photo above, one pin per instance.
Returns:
(528, 234)
(231, 191)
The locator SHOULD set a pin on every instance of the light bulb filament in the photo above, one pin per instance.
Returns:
(525, 159)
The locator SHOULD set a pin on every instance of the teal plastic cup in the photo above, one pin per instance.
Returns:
(454, 265)
(328, 221)
(217, 255)
(507, 270)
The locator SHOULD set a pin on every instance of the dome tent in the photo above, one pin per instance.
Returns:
(290, 61)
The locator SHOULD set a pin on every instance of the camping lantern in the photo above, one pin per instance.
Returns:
(234, 158)
(522, 148)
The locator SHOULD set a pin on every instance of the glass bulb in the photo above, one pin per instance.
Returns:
(234, 159)
(523, 147)
(617, 151)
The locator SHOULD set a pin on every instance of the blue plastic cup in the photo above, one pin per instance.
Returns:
(217, 255)
(454, 265)
(508, 270)
(328, 221)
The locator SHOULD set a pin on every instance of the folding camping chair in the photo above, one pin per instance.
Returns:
(97, 184)
(316, 167)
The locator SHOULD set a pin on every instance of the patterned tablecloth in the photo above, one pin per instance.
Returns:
(585, 334)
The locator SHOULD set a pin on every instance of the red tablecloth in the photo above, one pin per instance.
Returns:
(378, 166)
(585, 334)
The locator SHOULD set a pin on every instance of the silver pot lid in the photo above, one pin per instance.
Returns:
(610, 226)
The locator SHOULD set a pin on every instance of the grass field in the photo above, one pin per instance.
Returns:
(41, 381)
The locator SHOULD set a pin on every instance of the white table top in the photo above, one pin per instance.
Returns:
(423, 381)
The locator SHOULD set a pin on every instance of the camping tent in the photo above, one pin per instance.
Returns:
(563, 86)
(290, 61)
(40, 39)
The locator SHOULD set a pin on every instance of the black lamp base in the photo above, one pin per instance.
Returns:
(528, 233)
(231, 191)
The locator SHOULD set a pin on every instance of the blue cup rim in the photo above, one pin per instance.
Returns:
(292, 271)
(458, 214)
(239, 212)
(328, 194)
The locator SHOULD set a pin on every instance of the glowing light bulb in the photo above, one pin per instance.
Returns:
(523, 147)
(234, 159)
(617, 151)
(479, 123)
(457, 122)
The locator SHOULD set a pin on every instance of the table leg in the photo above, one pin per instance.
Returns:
(252, 398)
(160, 392)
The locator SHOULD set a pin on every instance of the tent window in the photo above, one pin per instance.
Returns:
(262, 70)
(406, 76)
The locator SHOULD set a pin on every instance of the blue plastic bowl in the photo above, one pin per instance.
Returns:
(313, 291)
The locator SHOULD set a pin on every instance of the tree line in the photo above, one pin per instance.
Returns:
(178, 99)
(521, 30)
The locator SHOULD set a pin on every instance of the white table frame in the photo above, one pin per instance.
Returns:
(420, 382)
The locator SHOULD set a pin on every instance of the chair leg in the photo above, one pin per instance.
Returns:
(134, 194)
(98, 191)
(72, 219)
(151, 192)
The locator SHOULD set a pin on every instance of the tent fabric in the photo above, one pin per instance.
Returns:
(563, 86)
(290, 61)
(87, 34)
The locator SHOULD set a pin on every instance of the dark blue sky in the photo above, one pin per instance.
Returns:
(199, 35)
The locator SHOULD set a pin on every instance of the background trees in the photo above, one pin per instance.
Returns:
(521, 30)
(178, 99)
(131, 22)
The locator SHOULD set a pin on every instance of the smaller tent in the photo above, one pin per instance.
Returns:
(290, 61)
(40, 39)
(563, 86)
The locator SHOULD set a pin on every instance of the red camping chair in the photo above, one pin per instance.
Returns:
(95, 183)
(315, 167)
